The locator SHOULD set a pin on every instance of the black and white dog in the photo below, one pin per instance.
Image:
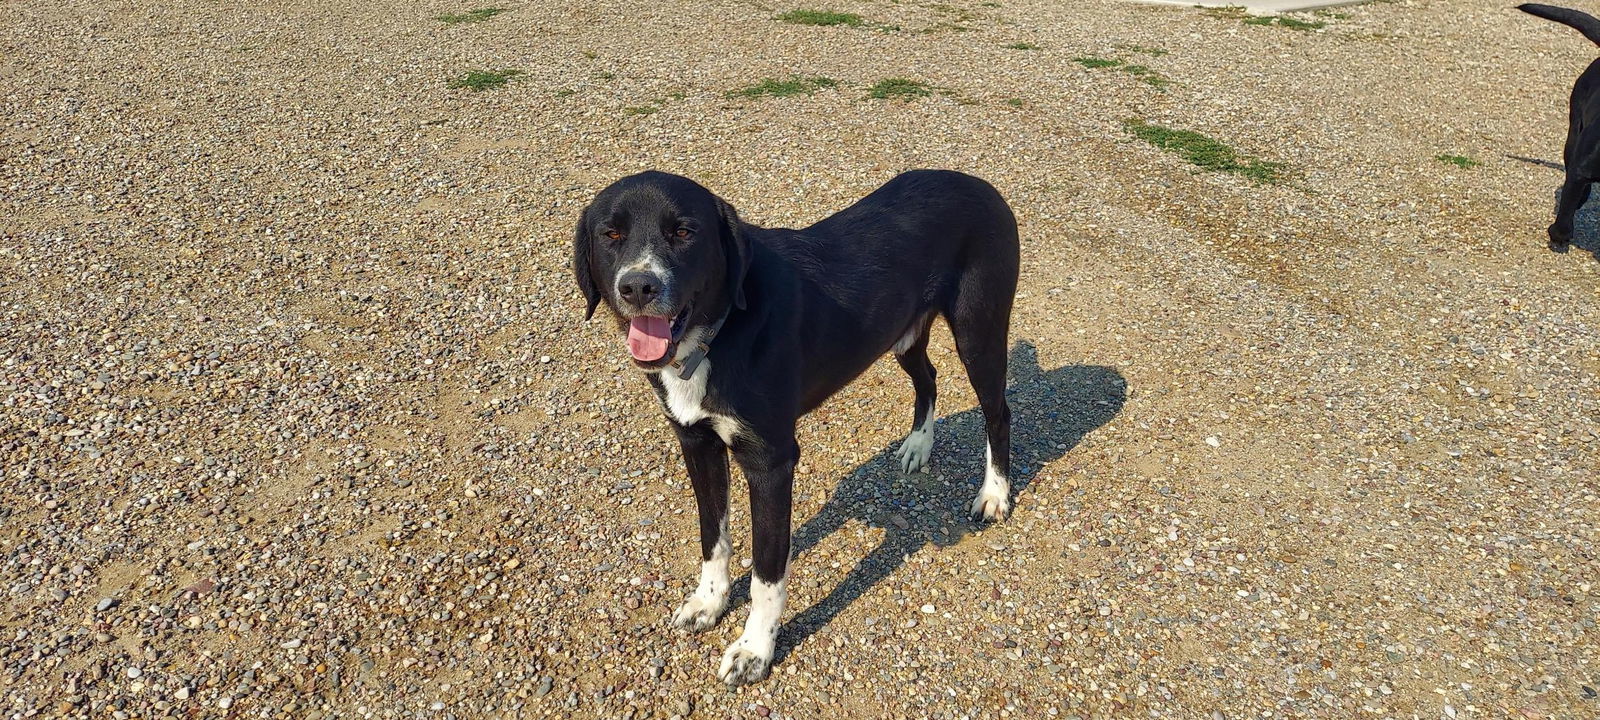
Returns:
(1582, 153)
(742, 330)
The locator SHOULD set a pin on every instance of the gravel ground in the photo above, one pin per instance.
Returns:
(301, 418)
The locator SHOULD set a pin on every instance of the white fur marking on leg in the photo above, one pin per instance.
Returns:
(994, 500)
(918, 446)
(906, 341)
(748, 659)
(710, 598)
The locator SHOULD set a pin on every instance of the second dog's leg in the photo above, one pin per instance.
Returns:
(706, 457)
(769, 468)
(1573, 195)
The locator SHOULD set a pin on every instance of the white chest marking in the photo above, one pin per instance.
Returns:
(686, 402)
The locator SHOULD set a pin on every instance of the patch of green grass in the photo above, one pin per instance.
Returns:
(641, 110)
(957, 96)
(1288, 22)
(1022, 46)
(604, 75)
(961, 14)
(1014, 102)
(1145, 49)
(823, 18)
(480, 80)
(471, 16)
(1460, 161)
(1143, 73)
(1095, 63)
(899, 88)
(1207, 153)
(1227, 12)
(1147, 76)
(590, 54)
(784, 88)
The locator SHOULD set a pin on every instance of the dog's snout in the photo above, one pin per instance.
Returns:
(639, 288)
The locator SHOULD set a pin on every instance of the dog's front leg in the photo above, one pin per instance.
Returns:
(706, 457)
(769, 469)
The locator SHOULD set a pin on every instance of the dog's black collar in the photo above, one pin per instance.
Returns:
(691, 362)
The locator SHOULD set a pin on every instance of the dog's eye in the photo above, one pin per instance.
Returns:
(614, 235)
(682, 233)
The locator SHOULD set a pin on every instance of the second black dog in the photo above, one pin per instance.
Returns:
(1582, 153)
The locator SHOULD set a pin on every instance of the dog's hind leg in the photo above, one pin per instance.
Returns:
(707, 459)
(979, 319)
(912, 353)
(1573, 194)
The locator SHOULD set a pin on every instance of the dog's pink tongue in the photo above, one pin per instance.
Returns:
(648, 338)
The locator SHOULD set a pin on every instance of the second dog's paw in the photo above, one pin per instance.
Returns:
(745, 662)
(699, 613)
(1559, 241)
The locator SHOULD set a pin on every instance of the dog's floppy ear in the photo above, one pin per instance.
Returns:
(582, 247)
(736, 247)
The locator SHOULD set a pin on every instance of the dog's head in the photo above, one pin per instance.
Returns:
(666, 256)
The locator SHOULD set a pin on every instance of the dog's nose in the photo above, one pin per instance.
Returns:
(639, 288)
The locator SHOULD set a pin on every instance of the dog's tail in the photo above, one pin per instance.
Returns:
(1581, 21)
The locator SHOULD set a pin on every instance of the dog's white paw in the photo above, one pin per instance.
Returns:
(915, 450)
(991, 505)
(699, 612)
(746, 661)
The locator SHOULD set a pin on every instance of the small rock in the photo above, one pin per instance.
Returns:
(105, 604)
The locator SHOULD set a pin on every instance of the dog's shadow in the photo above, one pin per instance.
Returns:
(1051, 412)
